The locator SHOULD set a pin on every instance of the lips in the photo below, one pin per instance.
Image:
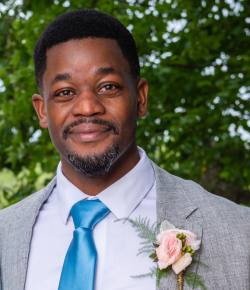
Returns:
(88, 132)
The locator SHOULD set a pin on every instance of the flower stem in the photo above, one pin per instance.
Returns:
(180, 280)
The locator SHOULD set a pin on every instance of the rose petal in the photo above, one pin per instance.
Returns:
(182, 263)
(162, 265)
(191, 238)
(161, 254)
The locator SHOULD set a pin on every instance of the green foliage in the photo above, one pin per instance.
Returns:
(164, 273)
(146, 232)
(198, 73)
(152, 273)
(200, 263)
(194, 280)
(156, 272)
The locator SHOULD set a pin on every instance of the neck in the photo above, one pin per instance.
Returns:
(92, 185)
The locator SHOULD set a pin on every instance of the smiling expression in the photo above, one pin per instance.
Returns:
(90, 101)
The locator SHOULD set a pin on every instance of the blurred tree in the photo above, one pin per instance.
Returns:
(195, 55)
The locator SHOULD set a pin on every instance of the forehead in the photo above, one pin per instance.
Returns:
(85, 56)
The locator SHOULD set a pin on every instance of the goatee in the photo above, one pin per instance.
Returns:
(94, 164)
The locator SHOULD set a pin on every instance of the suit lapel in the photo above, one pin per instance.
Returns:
(16, 242)
(173, 204)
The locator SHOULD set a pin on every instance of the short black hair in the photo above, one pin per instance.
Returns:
(84, 23)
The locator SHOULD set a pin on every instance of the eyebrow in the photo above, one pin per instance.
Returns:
(106, 71)
(61, 77)
(100, 71)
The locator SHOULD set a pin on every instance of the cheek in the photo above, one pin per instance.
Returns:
(125, 112)
(57, 116)
(58, 113)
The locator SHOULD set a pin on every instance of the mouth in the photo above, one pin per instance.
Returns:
(88, 132)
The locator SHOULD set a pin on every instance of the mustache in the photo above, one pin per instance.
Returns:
(111, 125)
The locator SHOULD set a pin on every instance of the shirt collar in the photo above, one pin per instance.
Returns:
(122, 197)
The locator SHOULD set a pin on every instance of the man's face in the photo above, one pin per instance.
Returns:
(90, 102)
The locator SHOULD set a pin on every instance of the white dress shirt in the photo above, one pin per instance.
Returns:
(117, 243)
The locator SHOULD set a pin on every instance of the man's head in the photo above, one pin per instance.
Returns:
(87, 71)
(80, 24)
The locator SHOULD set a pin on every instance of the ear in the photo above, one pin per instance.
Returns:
(142, 97)
(38, 104)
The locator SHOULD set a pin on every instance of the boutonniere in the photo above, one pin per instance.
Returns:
(175, 247)
(172, 247)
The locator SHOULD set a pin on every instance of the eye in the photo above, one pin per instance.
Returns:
(107, 88)
(65, 93)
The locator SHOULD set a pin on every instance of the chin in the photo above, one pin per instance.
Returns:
(94, 163)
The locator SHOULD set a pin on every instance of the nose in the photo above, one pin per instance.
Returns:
(88, 104)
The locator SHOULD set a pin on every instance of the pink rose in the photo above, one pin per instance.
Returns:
(169, 250)
(191, 239)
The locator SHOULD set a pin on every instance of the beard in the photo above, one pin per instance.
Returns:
(94, 164)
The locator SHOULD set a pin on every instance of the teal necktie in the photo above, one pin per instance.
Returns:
(78, 271)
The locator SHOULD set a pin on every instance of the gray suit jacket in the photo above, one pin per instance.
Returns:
(223, 227)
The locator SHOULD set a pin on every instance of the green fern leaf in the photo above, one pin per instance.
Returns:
(145, 243)
(153, 272)
(161, 274)
(194, 280)
(144, 231)
(200, 263)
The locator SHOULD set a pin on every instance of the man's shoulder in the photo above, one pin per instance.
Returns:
(11, 210)
(23, 206)
(208, 204)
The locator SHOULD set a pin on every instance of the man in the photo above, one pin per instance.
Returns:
(65, 236)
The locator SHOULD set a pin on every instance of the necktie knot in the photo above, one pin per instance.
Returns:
(87, 213)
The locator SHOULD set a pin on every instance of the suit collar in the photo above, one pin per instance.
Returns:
(35, 201)
(171, 195)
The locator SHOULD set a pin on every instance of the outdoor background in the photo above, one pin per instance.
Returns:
(196, 57)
